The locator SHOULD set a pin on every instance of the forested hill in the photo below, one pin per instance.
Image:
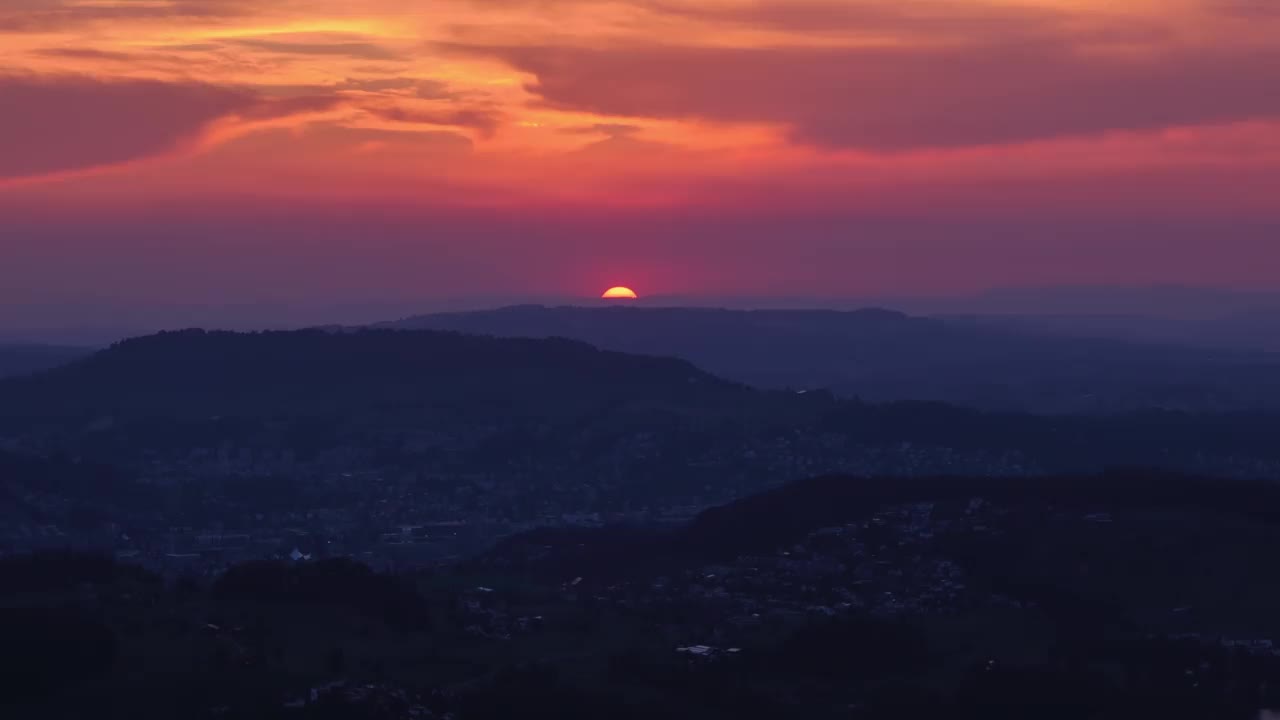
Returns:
(765, 521)
(310, 372)
(26, 359)
(190, 389)
(773, 520)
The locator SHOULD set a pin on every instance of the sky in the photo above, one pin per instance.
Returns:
(320, 152)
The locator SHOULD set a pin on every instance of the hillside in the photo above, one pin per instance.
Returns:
(763, 522)
(768, 521)
(630, 427)
(881, 355)
(27, 359)
(1152, 551)
(201, 374)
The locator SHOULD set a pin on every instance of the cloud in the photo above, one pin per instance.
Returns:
(51, 15)
(268, 109)
(304, 45)
(64, 123)
(327, 140)
(1248, 9)
(973, 19)
(192, 47)
(970, 19)
(621, 141)
(117, 57)
(626, 147)
(910, 96)
(484, 121)
(426, 89)
(371, 138)
(613, 130)
(435, 90)
(88, 54)
(381, 84)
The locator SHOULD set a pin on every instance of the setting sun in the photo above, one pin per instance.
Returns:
(620, 293)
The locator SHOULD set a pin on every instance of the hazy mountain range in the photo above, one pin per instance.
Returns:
(381, 387)
(883, 355)
(1060, 363)
(1176, 314)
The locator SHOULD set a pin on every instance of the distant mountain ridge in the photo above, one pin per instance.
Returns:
(548, 414)
(883, 355)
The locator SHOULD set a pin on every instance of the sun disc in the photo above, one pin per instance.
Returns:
(620, 293)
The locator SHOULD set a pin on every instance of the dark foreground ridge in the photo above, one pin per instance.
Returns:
(417, 447)
(1058, 597)
(303, 525)
(773, 519)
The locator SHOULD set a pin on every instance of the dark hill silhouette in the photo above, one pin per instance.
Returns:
(28, 359)
(766, 521)
(314, 373)
(762, 522)
(882, 355)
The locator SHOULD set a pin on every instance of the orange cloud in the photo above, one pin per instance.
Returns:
(66, 123)
(639, 102)
(905, 97)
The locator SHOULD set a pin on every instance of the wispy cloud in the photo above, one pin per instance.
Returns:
(576, 98)
(69, 123)
(319, 45)
(482, 120)
(897, 98)
(53, 15)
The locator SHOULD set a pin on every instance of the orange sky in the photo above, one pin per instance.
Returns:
(642, 101)
(1150, 108)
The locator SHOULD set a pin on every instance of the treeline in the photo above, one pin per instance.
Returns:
(1066, 443)
(769, 520)
(198, 374)
(82, 632)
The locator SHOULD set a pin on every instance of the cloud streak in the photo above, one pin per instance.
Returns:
(62, 124)
(304, 45)
(484, 121)
(51, 15)
(66, 123)
(896, 98)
